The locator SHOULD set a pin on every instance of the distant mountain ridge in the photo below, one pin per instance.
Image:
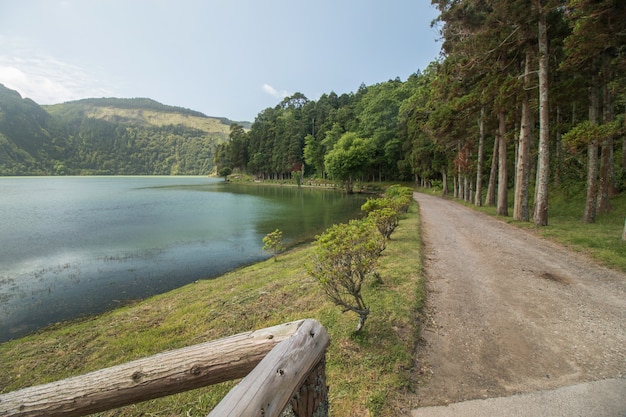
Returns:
(139, 103)
(133, 103)
(106, 136)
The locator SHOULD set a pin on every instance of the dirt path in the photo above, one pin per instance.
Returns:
(508, 312)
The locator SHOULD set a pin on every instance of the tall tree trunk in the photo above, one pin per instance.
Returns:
(481, 158)
(491, 188)
(444, 176)
(604, 184)
(624, 150)
(559, 149)
(522, 172)
(540, 216)
(460, 189)
(606, 180)
(592, 156)
(592, 183)
(502, 208)
(466, 189)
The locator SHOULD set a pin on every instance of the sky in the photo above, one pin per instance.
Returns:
(224, 58)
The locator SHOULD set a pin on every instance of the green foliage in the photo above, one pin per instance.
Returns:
(384, 212)
(225, 172)
(386, 220)
(586, 132)
(273, 242)
(24, 139)
(345, 255)
(238, 147)
(349, 159)
(314, 154)
(401, 197)
(397, 190)
(373, 204)
(297, 176)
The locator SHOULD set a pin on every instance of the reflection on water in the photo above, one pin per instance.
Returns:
(71, 246)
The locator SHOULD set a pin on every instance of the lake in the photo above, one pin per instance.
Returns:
(74, 246)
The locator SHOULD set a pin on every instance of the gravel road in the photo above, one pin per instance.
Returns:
(508, 312)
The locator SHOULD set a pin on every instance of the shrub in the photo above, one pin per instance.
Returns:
(273, 242)
(386, 220)
(345, 254)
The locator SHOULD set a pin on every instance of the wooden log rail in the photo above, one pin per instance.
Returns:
(283, 368)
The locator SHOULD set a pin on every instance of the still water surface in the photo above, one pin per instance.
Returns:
(71, 246)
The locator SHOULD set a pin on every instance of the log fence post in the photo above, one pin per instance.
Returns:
(278, 361)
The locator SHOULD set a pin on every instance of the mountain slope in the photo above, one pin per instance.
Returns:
(22, 132)
(108, 136)
(139, 111)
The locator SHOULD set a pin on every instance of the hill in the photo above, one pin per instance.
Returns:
(140, 111)
(22, 134)
(106, 136)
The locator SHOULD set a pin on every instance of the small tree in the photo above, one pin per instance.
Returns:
(400, 197)
(225, 172)
(397, 190)
(273, 242)
(345, 254)
(349, 159)
(297, 175)
(373, 204)
(386, 220)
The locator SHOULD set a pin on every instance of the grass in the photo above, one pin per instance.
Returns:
(601, 240)
(367, 372)
(156, 118)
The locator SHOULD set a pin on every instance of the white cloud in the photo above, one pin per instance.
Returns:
(42, 90)
(47, 80)
(273, 92)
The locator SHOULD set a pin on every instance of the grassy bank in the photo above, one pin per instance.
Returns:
(366, 372)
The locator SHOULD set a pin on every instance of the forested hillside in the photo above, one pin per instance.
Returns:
(23, 140)
(526, 96)
(105, 136)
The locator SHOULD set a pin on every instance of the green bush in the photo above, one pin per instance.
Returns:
(345, 255)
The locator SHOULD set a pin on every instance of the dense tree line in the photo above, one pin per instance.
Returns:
(528, 72)
(526, 95)
(301, 135)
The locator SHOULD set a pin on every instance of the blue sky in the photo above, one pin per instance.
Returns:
(227, 58)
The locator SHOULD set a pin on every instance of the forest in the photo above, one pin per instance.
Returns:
(526, 96)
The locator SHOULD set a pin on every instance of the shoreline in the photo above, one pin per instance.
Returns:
(127, 239)
(257, 296)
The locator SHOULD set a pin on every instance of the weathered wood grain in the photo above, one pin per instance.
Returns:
(268, 389)
(155, 376)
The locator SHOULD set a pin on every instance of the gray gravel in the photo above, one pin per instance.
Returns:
(509, 313)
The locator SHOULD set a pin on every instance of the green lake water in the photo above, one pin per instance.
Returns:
(73, 246)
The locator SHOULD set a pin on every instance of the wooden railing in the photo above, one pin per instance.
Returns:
(283, 369)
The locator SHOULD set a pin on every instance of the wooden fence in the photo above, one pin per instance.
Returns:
(283, 369)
